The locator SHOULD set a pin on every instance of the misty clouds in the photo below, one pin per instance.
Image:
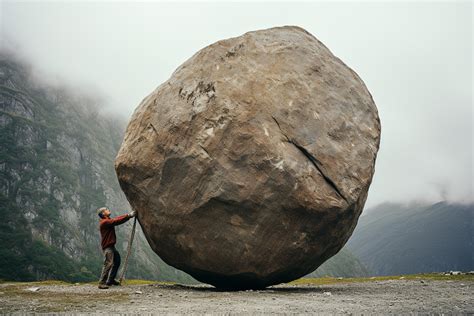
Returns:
(415, 58)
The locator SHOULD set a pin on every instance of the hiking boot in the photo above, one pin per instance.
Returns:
(103, 286)
(113, 282)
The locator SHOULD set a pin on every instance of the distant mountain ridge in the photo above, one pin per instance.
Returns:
(393, 238)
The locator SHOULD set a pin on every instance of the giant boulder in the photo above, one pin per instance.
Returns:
(251, 165)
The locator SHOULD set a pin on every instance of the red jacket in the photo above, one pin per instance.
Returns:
(107, 229)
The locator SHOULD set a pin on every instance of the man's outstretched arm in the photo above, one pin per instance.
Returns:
(119, 219)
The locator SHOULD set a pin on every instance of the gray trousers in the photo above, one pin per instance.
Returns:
(111, 265)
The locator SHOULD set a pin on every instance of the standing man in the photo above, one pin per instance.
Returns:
(108, 240)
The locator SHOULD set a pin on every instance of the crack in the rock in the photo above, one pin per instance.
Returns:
(316, 163)
(202, 147)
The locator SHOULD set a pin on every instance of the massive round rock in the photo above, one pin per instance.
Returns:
(251, 165)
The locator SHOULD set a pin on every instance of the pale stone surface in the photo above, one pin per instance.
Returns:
(251, 165)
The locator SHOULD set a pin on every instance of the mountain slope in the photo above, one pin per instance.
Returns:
(395, 239)
(56, 169)
(343, 264)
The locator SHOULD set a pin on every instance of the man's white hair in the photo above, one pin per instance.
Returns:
(100, 210)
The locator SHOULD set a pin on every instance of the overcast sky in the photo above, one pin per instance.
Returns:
(415, 58)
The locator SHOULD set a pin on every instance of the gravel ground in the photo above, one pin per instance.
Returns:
(385, 297)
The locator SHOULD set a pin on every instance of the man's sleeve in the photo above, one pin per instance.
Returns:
(117, 220)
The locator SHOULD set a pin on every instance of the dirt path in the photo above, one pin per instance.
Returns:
(388, 296)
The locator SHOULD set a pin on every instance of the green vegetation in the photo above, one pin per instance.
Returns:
(56, 169)
(23, 258)
(422, 276)
(48, 303)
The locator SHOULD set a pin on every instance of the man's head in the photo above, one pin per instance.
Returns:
(103, 212)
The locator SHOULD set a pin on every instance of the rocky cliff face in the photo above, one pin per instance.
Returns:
(56, 168)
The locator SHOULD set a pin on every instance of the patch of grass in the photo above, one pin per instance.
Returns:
(17, 297)
(37, 283)
(132, 282)
(143, 282)
(424, 276)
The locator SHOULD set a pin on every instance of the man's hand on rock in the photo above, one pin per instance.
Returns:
(132, 214)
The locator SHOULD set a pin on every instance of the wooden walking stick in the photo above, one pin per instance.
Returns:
(130, 241)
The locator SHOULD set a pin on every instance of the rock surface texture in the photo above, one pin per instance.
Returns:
(251, 165)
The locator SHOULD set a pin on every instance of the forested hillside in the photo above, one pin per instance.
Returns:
(56, 168)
